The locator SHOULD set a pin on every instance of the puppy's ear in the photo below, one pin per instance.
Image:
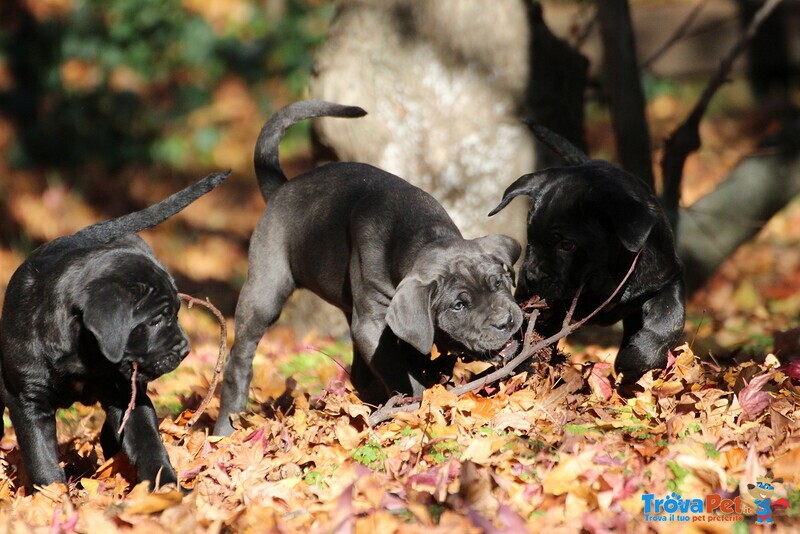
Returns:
(506, 249)
(107, 315)
(409, 314)
(632, 220)
(528, 184)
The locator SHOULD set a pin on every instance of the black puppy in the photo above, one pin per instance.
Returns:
(585, 226)
(384, 252)
(76, 314)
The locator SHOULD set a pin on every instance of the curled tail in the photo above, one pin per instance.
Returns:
(268, 168)
(107, 231)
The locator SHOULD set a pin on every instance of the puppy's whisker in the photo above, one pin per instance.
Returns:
(132, 402)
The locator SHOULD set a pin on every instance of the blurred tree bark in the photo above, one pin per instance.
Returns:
(713, 228)
(768, 66)
(556, 89)
(621, 81)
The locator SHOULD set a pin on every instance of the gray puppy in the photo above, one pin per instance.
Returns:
(381, 250)
(77, 313)
(585, 226)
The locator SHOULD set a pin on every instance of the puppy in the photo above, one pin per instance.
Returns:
(381, 250)
(585, 226)
(76, 314)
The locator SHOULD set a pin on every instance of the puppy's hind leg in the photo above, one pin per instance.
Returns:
(260, 303)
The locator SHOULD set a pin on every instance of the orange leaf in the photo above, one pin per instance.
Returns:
(155, 502)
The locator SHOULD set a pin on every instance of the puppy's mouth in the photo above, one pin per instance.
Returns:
(483, 349)
(152, 367)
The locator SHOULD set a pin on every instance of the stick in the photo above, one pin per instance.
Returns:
(132, 402)
(381, 415)
(223, 349)
(568, 317)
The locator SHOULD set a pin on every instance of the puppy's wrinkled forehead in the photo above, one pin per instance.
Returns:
(472, 269)
(149, 285)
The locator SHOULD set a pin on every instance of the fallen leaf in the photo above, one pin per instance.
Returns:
(155, 502)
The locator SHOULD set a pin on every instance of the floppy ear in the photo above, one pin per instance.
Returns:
(506, 249)
(631, 219)
(409, 314)
(528, 184)
(107, 315)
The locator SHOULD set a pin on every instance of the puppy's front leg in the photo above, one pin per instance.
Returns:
(35, 424)
(140, 438)
(649, 334)
(378, 348)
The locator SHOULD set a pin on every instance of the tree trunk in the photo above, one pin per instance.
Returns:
(717, 224)
(768, 65)
(621, 81)
(554, 96)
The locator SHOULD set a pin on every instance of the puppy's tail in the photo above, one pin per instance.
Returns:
(268, 167)
(132, 223)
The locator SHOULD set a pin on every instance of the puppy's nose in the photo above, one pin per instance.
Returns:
(504, 324)
(182, 348)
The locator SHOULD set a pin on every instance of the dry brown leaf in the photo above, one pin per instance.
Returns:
(154, 502)
(566, 476)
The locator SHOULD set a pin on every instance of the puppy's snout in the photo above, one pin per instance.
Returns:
(504, 323)
(182, 347)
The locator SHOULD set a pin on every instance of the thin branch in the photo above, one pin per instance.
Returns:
(568, 317)
(529, 350)
(680, 32)
(583, 33)
(132, 402)
(390, 408)
(686, 138)
(223, 349)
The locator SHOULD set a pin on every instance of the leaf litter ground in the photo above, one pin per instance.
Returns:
(555, 447)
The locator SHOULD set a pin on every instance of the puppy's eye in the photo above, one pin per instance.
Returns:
(566, 245)
(458, 306)
(155, 321)
(498, 283)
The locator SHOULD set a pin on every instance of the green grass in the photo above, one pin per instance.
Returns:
(370, 454)
(679, 473)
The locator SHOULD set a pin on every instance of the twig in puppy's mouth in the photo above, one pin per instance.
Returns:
(223, 348)
(132, 402)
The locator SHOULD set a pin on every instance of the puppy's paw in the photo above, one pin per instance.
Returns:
(632, 362)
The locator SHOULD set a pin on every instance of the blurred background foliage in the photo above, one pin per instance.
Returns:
(107, 106)
(121, 82)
